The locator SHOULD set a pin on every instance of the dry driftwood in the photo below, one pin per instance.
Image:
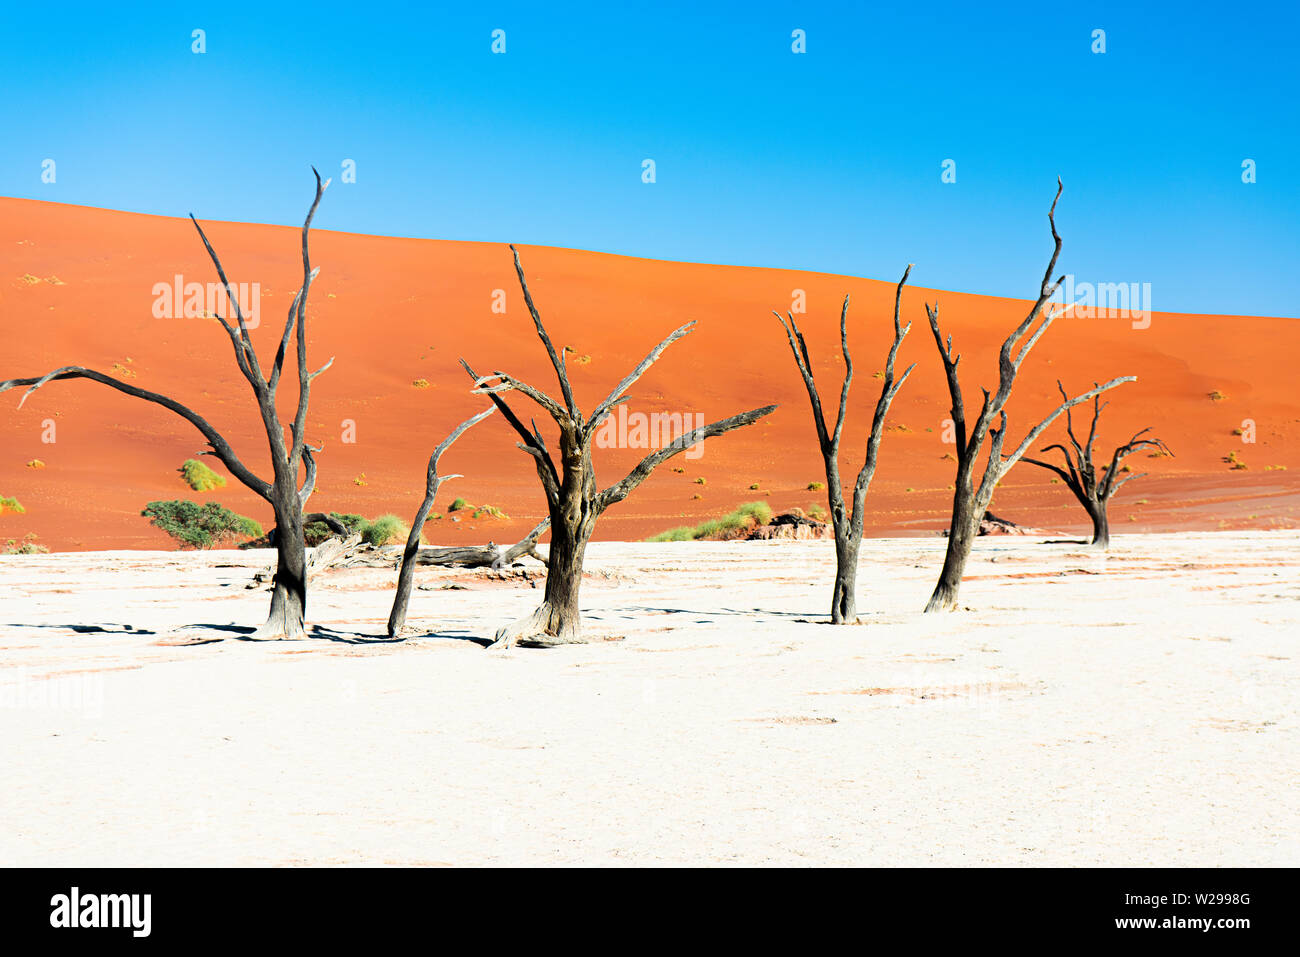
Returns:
(338, 553)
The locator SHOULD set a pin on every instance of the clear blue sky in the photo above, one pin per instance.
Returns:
(828, 160)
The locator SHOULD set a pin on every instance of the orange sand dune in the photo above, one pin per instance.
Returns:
(76, 287)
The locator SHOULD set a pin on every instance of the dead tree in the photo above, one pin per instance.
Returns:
(1080, 475)
(969, 502)
(406, 569)
(574, 502)
(848, 524)
(289, 597)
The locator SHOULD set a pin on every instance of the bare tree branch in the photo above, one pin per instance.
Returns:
(556, 360)
(620, 490)
(220, 447)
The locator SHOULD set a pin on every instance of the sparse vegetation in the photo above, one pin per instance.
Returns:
(1217, 396)
(314, 533)
(747, 517)
(200, 526)
(1235, 463)
(421, 383)
(27, 545)
(816, 486)
(36, 464)
(457, 505)
(199, 477)
(384, 530)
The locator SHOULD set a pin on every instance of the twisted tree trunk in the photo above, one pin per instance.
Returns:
(1100, 526)
(288, 612)
(844, 602)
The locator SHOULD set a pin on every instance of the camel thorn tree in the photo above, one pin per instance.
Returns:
(969, 501)
(847, 524)
(573, 500)
(289, 596)
(1080, 475)
(406, 569)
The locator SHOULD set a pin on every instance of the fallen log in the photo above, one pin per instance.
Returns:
(351, 552)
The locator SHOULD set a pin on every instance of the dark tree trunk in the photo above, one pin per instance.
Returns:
(406, 571)
(558, 620)
(844, 602)
(961, 537)
(1100, 525)
(560, 611)
(289, 595)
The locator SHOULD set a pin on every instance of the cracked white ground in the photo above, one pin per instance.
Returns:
(1138, 708)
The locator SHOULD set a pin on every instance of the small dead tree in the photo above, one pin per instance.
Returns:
(848, 524)
(289, 597)
(1080, 475)
(970, 502)
(406, 570)
(574, 503)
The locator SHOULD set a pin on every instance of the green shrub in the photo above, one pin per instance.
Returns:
(457, 505)
(199, 477)
(747, 516)
(760, 512)
(816, 486)
(28, 546)
(384, 529)
(314, 533)
(200, 526)
(10, 505)
(683, 534)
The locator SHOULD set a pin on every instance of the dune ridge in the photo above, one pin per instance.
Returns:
(77, 286)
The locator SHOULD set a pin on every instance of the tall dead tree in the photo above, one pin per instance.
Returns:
(289, 597)
(847, 524)
(1080, 475)
(574, 502)
(970, 502)
(406, 570)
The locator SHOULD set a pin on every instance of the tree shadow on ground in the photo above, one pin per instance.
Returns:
(362, 638)
(707, 615)
(105, 629)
